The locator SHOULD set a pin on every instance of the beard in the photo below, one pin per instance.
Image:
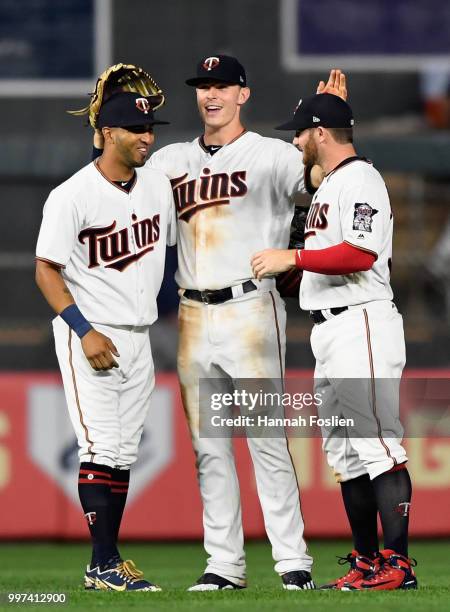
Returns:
(310, 153)
(132, 161)
(138, 164)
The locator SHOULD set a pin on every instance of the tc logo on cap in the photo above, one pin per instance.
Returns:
(210, 63)
(143, 105)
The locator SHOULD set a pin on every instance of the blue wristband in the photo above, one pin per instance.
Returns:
(75, 320)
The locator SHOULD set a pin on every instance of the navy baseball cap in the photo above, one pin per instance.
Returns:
(324, 110)
(221, 68)
(126, 109)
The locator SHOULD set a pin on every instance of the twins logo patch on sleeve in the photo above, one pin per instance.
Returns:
(362, 217)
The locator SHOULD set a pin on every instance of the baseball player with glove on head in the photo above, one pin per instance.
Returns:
(357, 340)
(234, 193)
(100, 263)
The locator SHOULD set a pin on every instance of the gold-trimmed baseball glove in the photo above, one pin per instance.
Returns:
(121, 77)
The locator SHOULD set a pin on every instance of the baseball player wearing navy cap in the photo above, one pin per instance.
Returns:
(232, 326)
(357, 339)
(99, 264)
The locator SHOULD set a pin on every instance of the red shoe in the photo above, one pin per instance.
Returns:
(360, 567)
(395, 572)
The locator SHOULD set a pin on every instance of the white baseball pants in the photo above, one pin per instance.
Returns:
(107, 409)
(241, 338)
(360, 355)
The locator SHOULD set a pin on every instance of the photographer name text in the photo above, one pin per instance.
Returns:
(266, 421)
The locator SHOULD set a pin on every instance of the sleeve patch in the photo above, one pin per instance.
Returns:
(362, 217)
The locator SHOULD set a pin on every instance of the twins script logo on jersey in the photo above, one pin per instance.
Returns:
(210, 63)
(362, 217)
(316, 219)
(208, 190)
(143, 105)
(113, 248)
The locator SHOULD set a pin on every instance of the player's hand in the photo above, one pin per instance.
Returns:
(99, 350)
(272, 261)
(99, 141)
(336, 85)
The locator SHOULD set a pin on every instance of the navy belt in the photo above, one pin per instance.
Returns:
(317, 315)
(217, 296)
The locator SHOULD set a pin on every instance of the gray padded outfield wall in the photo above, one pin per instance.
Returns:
(167, 37)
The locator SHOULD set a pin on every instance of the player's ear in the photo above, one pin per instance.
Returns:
(321, 133)
(244, 95)
(107, 134)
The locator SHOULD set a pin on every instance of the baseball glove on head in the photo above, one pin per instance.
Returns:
(121, 77)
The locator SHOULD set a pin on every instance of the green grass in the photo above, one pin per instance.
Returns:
(57, 568)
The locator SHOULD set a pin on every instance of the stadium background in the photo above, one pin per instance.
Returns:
(403, 119)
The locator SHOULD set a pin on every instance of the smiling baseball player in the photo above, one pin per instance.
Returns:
(100, 263)
(234, 193)
(357, 339)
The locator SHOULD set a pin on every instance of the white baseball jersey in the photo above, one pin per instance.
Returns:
(110, 243)
(229, 205)
(351, 205)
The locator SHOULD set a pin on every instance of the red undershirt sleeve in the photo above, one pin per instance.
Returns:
(342, 258)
